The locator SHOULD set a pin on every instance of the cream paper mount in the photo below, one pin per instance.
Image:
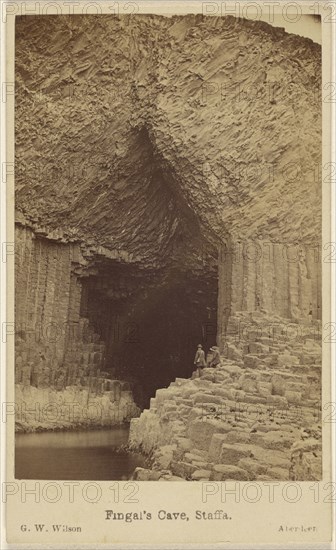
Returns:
(168, 326)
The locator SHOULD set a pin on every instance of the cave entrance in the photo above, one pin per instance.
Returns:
(151, 322)
(153, 306)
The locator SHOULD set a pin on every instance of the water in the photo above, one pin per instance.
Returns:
(87, 455)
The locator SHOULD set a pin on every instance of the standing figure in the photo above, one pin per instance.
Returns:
(199, 359)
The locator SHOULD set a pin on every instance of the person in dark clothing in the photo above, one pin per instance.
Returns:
(199, 359)
(215, 361)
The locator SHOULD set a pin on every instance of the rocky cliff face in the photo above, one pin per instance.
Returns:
(152, 122)
(256, 416)
(143, 146)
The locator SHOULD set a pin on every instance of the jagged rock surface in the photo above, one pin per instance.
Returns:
(255, 417)
(181, 119)
(142, 145)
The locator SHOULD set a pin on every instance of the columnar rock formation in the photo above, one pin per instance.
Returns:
(257, 416)
(150, 149)
(59, 362)
(283, 278)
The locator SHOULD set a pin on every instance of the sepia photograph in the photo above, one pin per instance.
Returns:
(168, 249)
(169, 303)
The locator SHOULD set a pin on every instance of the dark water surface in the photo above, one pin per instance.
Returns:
(86, 455)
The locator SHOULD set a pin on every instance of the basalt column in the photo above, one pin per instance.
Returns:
(279, 279)
(55, 345)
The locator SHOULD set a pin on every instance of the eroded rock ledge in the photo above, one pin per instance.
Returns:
(255, 417)
(41, 409)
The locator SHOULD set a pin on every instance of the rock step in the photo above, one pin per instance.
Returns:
(247, 419)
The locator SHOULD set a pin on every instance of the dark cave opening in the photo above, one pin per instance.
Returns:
(151, 323)
(153, 307)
